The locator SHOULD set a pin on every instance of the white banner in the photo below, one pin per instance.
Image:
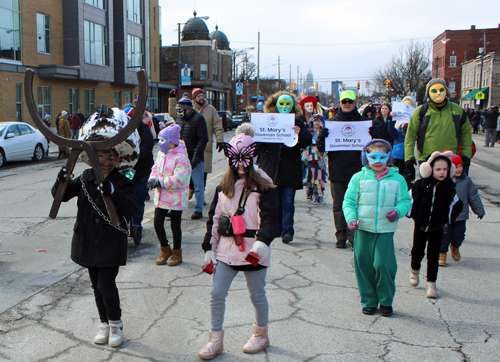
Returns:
(401, 112)
(347, 136)
(274, 128)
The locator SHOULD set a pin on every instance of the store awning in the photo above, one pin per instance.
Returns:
(472, 94)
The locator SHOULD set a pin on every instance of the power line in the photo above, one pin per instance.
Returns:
(338, 44)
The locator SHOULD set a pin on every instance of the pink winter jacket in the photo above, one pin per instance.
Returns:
(226, 250)
(173, 170)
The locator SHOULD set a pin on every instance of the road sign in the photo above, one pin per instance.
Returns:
(480, 95)
(239, 87)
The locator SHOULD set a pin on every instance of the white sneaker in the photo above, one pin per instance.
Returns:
(103, 335)
(116, 333)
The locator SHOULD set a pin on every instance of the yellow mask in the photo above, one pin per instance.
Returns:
(407, 102)
(437, 92)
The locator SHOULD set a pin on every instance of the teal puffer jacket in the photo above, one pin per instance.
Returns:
(368, 199)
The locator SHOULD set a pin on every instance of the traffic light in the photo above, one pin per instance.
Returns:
(316, 86)
(388, 83)
(358, 84)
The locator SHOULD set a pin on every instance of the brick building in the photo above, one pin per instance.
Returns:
(211, 63)
(83, 52)
(490, 83)
(454, 47)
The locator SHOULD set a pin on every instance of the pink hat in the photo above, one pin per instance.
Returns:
(241, 140)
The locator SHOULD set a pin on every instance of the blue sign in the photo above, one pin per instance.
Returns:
(239, 87)
(186, 73)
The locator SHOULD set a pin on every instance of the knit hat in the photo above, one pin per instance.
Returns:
(184, 103)
(411, 100)
(426, 167)
(436, 81)
(197, 91)
(64, 113)
(47, 115)
(457, 160)
(129, 111)
(364, 159)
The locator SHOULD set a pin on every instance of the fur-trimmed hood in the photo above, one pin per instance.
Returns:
(270, 106)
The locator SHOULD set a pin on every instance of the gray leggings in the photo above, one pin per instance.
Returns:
(256, 283)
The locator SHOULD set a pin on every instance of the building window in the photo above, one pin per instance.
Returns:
(154, 59)
(19, 108)
(152, 102)
(95, 40)
(101, 4)
(154, 18)
(73, 100)
(453, 61)
(135, 52)
(118, 99)
(43, 100)
(203, 71)
(10, 35)
(135, 11)
(43, 33)
(215, 76)
(89, 102)
(128, 97)
(451, 86)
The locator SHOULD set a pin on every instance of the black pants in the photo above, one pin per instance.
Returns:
(338, 189)
(400, 164)
(454, 235)
(106, 293)
(175, 226)
(432, 240)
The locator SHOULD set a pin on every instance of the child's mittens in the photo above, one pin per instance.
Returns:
(392, 215)
(153, 184)
(480, 217)
(260, 248)
(106, 188)
(210, 257)
(353, 225)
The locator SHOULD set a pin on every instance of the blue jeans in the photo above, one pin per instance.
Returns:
(74, 134)
(141, 192)
(197, 176)
(285, 199)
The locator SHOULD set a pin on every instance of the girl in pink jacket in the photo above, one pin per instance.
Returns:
(170, 178)
(260, 219)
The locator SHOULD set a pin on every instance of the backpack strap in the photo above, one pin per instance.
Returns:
(422, 127)
(243, 201)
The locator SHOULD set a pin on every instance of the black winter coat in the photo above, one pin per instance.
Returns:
(382, 130)
(95, 242)
(284, 164)
(194, 133)
(342, 164)
(145, 162)
(429, 215)
(490, 118)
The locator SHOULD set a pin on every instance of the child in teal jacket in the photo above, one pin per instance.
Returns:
(376, 197)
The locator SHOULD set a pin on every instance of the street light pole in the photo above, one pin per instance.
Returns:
(179, 60)
(482, 60)
(258, 60)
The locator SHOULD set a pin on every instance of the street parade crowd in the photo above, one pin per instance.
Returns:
(418, 169)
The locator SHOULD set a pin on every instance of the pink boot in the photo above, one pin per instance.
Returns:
(213, 347)
(259, 340)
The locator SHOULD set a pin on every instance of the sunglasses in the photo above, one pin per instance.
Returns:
(345, 101)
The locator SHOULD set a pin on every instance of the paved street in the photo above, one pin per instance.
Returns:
(47, 310)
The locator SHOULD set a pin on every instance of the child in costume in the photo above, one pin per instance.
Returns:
(251, 187)
(376, 197)
(454, 233)
(433, 196)
(315, 173)
(96, 244)
(170, 178)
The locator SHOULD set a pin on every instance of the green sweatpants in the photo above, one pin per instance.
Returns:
(376, 266)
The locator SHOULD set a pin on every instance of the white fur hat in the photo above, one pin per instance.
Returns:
(426, 167)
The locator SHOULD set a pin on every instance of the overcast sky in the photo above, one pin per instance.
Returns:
(337, 40)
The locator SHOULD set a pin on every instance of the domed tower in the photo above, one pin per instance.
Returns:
(220, 38)
(195, 29)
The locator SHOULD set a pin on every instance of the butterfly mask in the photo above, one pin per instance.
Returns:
(244, 155)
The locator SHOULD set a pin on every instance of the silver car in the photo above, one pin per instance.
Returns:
(19, 141)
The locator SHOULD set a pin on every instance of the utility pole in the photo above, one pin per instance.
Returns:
(437, 64)
(279, 77)
(298, 82)
(258, 59)
(290, 77)
(482, 60)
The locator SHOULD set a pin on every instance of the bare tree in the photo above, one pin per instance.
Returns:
(406, 70)
(246, 69)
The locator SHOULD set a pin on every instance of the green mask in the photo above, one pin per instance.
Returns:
(284, 104)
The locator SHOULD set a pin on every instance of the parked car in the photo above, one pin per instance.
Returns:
(235, 121)
(19, 141)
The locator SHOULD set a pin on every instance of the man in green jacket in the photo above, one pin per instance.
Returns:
(441, 125)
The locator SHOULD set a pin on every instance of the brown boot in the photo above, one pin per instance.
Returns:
(259, 340)
(191, 193)
(165, 253)
(442, 259)
(176, 258)
(214, 345)
(455, 253)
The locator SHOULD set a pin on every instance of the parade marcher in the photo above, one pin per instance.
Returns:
(475, 121)
(454, 233)
(437, 125)
(96, 244)
(370, 111)
(380, 125)
(64, 130)
(75, 125)
(490, 124)
(170, 180)
(377, 196)
(433, 196)
(147, 119)
(284, 164)
(47, 122)
(81, 116)
(242, 186)
(315, 173)
(309, 107)
(342, 165)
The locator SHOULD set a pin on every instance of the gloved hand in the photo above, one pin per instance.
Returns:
(106, 188)
(374, 132)
(409, 169)
(323, 133)
(260, 248)
(466, 161)
(153, 184)
(353, 225)
(194, 162)
(392, 215)
(210, 257)
(220, 146)
(173, 93)
(63, 174)
(480, 217)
